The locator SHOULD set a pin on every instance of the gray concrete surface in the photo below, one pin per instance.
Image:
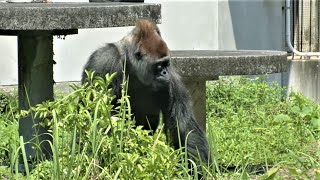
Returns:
(198, 66)
(208, 64)
(35, 86)
(55, 16)
(304, 77)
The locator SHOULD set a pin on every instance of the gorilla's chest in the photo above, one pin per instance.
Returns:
(144, 98)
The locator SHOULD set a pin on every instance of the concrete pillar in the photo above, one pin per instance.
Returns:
(197, 90)
(35, 63)
(304, 77)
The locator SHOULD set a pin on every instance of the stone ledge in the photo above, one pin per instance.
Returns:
(62, 16)
(63, 87)
(209, 64)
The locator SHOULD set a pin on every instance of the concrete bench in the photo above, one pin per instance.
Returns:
(35, 24)
(197, 67)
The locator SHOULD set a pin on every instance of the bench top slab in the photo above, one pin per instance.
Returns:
(209, 64)
(64, 16)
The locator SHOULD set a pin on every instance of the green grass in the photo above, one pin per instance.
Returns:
(249, 123)
(253, 124)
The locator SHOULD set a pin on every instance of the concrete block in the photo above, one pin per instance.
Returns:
(197, 66)
(304, 77)
(62, 16)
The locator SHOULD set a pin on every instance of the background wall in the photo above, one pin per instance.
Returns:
(192, 24)
(251, 24)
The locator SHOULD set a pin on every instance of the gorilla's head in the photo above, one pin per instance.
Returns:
(148, 55)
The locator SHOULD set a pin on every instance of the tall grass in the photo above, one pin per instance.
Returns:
(91, 140)
(249, 122)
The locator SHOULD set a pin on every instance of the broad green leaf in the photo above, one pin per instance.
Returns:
(315, 123)
(282, 118)
(296, 109)
(271, 173)
(305, 111)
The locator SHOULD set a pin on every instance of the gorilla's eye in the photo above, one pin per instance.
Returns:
(138, 55)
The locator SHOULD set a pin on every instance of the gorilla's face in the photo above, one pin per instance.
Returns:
(150, 71)
(149, 56)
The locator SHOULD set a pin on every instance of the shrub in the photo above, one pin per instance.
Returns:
(91, 140)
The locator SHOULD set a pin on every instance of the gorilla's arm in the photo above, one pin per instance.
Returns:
(104, 60)
(180, 113)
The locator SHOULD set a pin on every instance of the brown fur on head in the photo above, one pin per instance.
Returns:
(149, 39)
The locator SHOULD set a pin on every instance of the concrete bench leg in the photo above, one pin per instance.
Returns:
(35, 63)
(197, 89)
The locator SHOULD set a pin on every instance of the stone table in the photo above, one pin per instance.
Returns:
(197, 67)
(35, 24)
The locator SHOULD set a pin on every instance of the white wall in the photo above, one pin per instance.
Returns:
(185, 25)
(8, 60)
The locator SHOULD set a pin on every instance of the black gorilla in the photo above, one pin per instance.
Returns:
(154, 86)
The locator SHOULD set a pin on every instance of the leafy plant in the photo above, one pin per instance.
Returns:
(92, 139)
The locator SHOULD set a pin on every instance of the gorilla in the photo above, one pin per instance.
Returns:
(154, 86)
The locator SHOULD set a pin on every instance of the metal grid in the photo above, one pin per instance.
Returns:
(305, 25)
